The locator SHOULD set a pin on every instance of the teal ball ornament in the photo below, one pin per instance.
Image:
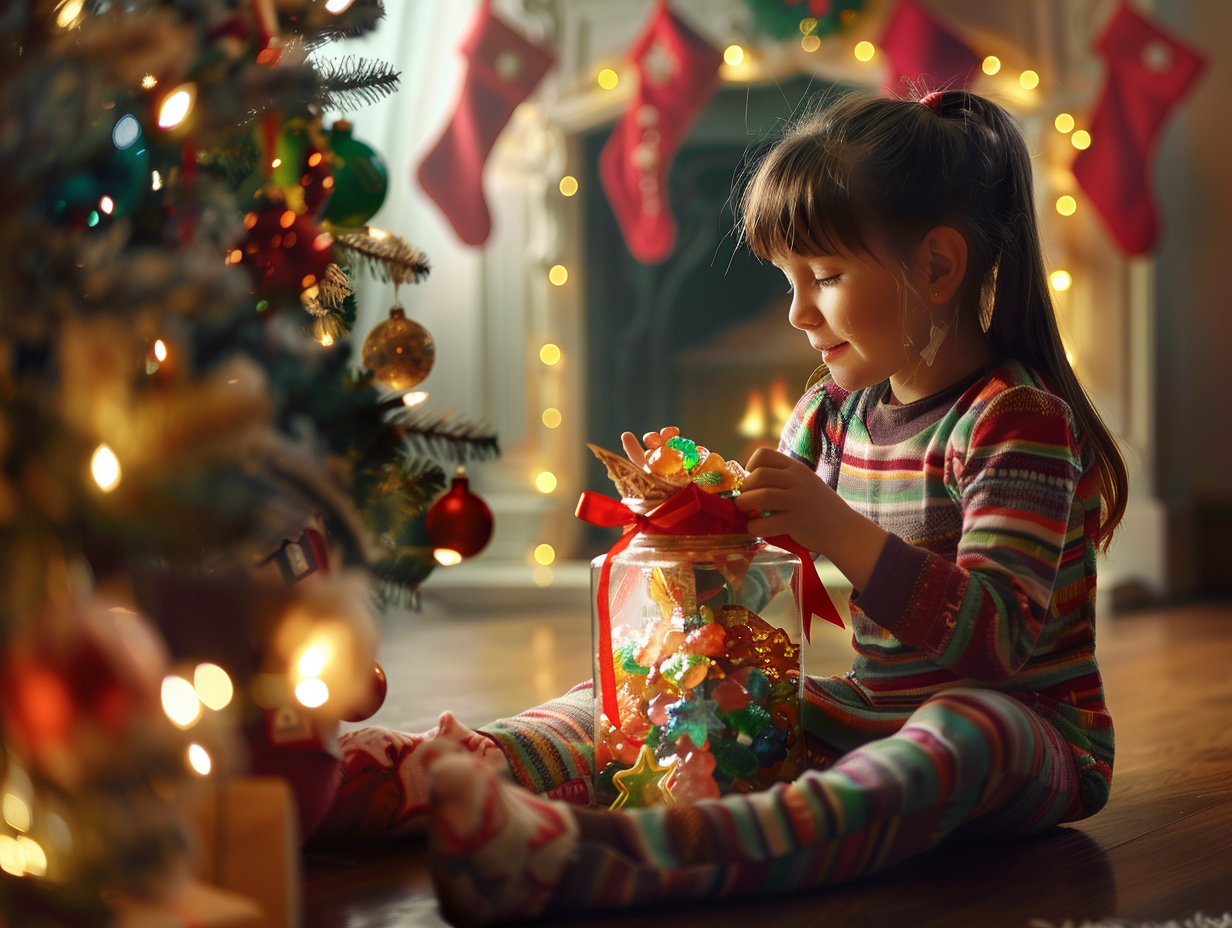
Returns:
(360, 179)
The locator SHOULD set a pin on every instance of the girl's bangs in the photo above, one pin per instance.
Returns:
(798, 202)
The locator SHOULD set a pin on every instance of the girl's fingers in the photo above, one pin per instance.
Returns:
(767, 457)
(633, 449)
(769, 526)
(766, 477)
(772, 498)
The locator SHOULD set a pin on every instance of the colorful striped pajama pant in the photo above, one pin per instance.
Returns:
(968, 763)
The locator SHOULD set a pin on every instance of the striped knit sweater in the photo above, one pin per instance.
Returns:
(988, 577)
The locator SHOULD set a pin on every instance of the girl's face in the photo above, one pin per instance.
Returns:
(856, 314)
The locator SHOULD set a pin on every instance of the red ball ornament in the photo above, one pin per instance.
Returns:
(284, 250)
(459, 521)
(376, 697)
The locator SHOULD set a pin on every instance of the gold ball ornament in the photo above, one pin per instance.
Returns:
(398, 351)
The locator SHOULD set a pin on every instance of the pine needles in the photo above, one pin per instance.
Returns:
(388, 257)
(351, 83)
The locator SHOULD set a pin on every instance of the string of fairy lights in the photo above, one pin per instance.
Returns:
(741, 65)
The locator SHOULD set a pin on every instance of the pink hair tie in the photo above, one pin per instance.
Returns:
(932, 101)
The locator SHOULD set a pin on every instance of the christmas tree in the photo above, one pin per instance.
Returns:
(184, 432)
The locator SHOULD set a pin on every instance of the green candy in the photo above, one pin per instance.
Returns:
(603, 783)
(676, 669)
(749, 720)
(734, 759)
(627, 663)
(687, 449)
(758, 684)
(711, 478)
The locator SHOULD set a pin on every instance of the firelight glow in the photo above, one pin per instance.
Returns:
(105, 468)
(177, 106)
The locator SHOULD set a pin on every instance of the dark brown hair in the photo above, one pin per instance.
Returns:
(865, 167)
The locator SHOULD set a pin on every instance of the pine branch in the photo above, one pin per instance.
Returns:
(335, 287)
(351, 83)
(358, 19)
(445, 435)
(388, 257)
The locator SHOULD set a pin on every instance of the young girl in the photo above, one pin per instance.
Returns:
(947, 461)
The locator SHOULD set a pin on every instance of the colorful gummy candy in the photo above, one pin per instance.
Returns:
(669, 454)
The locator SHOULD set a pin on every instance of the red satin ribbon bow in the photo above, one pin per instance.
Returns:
(690, 511)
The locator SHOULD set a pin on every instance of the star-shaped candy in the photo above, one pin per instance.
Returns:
(696, 718)
(642, 785)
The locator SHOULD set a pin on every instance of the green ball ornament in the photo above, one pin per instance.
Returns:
(360, 179)
(111, 184)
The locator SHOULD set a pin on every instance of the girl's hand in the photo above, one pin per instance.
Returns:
(796, 502)
(791, 499)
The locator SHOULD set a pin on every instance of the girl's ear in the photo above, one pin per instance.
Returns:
(942, 260)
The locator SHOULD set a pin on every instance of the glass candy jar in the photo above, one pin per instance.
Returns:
(701, 694)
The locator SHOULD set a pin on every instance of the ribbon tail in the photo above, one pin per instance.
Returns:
(814, 599)
(607, 669)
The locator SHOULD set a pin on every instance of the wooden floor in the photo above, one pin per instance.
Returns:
(1160, 850)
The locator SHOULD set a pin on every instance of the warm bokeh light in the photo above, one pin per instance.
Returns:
(337, 6)
(810, 43)
(551, 417)
(149, 82)
(549, 354)
(545, 554)
(36, 860)
(107, 205)
(558, 274)
(733, 55)
(21, 856)
(608, 79)
(1081, 139)
(1060, 280)
(160, 350)
(1028, 80)
(447, 557)
(327, 340)
(180, 701)
(1067, 205)
(69, 14)
(156, 181)
(199, 759)
(992, 64)
(177, 106)
(414, 398)
(213, 686)
(568, 185)
(865, 51)
(276, 163)
(808, 24)
(311, 692)
(287, 219)
(105, 468)
(1064, 122)
(378, 234)
(542, 576)
(545, 481)
(314, 659)
(16, 812)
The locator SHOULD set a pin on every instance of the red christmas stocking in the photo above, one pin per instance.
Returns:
(502, 69)
(920, 48)
(1149, 71)
(677, 72)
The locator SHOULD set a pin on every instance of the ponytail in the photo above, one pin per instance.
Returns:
(894, 166)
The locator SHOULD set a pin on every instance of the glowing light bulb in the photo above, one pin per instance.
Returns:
(545, 481)
(180, 701)
(1060, 280)
(1028, 80)
(213, 686)
(568, 185)
(1064, 122)
(199, 759)
(733, 55)
(276, 163)
(313, 660)
(160, 350)
(414, 399)
(608, 79)
(36, 860)
(311, 692)
(864, 51)
(447, 557)
(1081, 139)
(1067, 205)
(549, 354)
(551, 417)
(177, 106)
(991, 65)
(107, 205)
(558, 274)
(156, 181)
(326, 340)
(12, 856)
(149, 82)
(105, 468)
(545, 554)
(810, 43)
